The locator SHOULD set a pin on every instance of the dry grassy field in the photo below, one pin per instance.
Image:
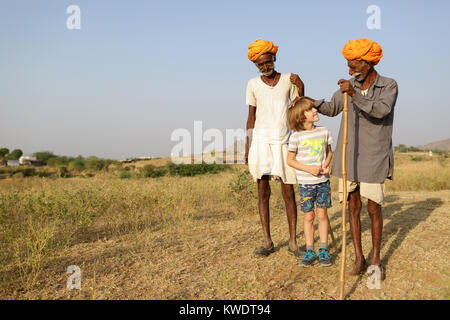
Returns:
(193, 238)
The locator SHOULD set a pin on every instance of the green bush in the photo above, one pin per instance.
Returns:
(419, 158)
(42, 174)
(243, 189)
(125, 175)
(440, 152)
(4, 152)
(189, 170)
(76, 165)
(57, 161)
(28, 172)
(52, 162)
(15, 154)
(404, 148)
(61, 171)
(150, 171)
(44, 155)
(96, 164)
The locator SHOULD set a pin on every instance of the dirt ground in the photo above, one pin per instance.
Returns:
(211, 258)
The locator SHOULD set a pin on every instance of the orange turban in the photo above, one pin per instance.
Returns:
(363, 49)
(259, 47)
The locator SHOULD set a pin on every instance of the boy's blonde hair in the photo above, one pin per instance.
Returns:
(296, 112)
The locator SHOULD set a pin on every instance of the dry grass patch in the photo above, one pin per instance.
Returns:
(193, 238)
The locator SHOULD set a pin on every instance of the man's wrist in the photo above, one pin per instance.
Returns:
(317, 104)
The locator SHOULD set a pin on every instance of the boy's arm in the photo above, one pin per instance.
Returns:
(329, 156)
(314, 170)
(326, 163)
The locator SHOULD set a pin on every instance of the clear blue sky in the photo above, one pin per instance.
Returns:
(138, 70)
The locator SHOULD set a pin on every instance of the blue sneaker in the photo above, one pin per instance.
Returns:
(308, 259)
(324, 258)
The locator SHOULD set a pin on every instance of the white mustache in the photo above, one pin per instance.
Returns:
(269, 71)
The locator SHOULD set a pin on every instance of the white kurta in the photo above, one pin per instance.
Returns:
(269, 146)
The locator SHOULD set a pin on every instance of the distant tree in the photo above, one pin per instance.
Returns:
(95, 163)
(401, 148)
(44, 155)
(414, 149)
(4, 152)
(76, 165)
(15, 154)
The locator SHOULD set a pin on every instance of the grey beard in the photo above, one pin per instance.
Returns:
(268, 73)
(358, 76)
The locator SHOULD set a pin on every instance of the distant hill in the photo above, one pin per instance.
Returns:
(441, 145)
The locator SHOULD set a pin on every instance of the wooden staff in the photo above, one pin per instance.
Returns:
(330, 230)
(344, 195)
(296, 90)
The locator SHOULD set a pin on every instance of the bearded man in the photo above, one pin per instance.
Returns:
(372, 99)
(268, 97)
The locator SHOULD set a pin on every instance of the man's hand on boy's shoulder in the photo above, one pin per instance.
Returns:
(295, 79)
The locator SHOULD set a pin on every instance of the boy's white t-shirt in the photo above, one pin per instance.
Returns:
(311, 147)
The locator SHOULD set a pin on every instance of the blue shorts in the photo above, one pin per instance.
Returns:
(320, 194)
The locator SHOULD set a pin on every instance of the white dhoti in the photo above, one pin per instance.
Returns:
(270, 159)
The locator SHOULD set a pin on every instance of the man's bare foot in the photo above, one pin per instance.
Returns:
(295, 250)
(293, 246)
(264, 251)
(358, 268)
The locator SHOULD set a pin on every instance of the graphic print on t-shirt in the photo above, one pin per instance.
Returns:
(315, 146)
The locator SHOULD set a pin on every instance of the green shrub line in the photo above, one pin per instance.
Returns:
(174, 170)
(148, 171)
(26, 171)
(404, 149)
(189, 170)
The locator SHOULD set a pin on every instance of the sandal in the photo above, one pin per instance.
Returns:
(297, 252)
(263, 251)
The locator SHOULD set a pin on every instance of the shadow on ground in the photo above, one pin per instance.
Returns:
(396, 227)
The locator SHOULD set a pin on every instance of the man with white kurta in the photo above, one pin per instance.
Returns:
(268, 97)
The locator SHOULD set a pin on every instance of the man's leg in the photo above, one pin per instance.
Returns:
(354, 208)
(376, 217)
(287, 190)
(263, 206)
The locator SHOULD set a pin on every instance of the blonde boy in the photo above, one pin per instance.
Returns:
(310, 155)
